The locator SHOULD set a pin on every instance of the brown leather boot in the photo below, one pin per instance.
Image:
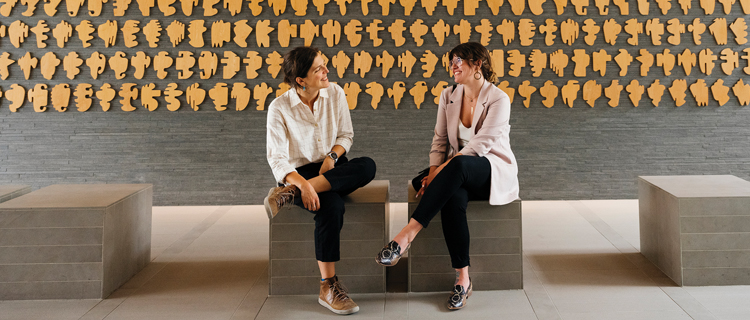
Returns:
(279, 197)
(334, 296)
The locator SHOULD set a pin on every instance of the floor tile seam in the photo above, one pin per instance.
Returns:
(109, 312)
(544, 291)
(262, 274)
(182, 243)
(603, 228)
(592, 218)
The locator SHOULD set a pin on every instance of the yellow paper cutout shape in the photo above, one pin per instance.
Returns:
(385, 6)
(636, 91)
(700, 92)
(557, 62)
(208, 62)
(450, 5)
(504, 86)
(352, 91)
(18, 32)
(591, 92)
(148, 97)
(83, 94)
(643, 7)
(232, 64)
(254, 6)
(351, 30)
(162, 61)
(623, 59)
(40, 32)
(647, 60)
(17, 96)
(39, 97)
(50, 8)
(485, 29)
(441, 30)
(430, 60)
(129, 29)
(613, 93)
(406, 62)
(385, 61)
(463, 30)
(340, 61)
(120, 6)
(549, 91)
(655, 92)
(373, 30)
(549, 28)
(560, 5)
(253, 62)
(71, 64)
(742, 91)
(603, 6)
(526, 90)
(235, 6)
(219, 95)
(332, 32)
(569, 31)
(418, 93)
(241, 95)
(27, 62)
(152, 30)
(517, 61)
(184, 62)
(73, 6)
(537, 62)
(96, 64)
(664, 5)
(718, 29)
(535, 6)
(591, 29)
(300, 9)
(655, 29)
(308, 31)
(274, 61)
(611, 30)
(697, 28)
(727, 4)
(108, 32)
(580, 6)
(221, 33)
(165, 6)
(570, 92)
(283, 87)
(731, 60)
(720, 92)
(526, 32)
(437, 90)
(145, 6)
(106, 94)
(516, 6)
(362, 63)
(428, 5)
(176, 32)
(507, 29)
(666, 60)
(262, 30)
(278, 6)
(48, 64)
(171, 93)
(195, 96)
(498, 62)
(119, 64)
(676, 29)
(195, 33)
(128, 93)
(260, 93)
(397, 32)
(747, 58)
(84, 30)
(706, 60)
(242, 30)
(418, 30)
(375, 90)
(600, 59)
(582, 60)
(687, 60)
(5, 62)
(62, 33)
(633, 28)
(624, 7)
(397, 92)
(739, 28)
(677, 91)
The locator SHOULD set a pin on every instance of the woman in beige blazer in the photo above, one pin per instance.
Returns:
(470, 159)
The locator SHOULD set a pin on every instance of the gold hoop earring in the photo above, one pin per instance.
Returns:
(477, 75)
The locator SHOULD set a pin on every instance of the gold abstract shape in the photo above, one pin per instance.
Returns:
(195, 95)
(517, 61)
(128, 93)
(18, 32)
(463, 30)
(120, 6)
(17, 96)
(569, 92)
(655, 92)
(742, 91)
(274, 61)
(385, 61)
(71, 64)
(119, 64)
(677, 91)
(720, 92)
(569, 31)
(278, 6)
(549, 92)
(636, 91)
(148, 97)
(600, 59)
(184, 62)
(129, 29)
(739, 28)
(253, 63)
(525, 90)
(647, 60)
(162, 61)
(591, 92)
(5, 62)
(260, 94)
(666, 60)
(676, 29)
(340, 61)
(537, 62)
(176, 32)
(623, 60)
(526, 31)
(611, 30)
(39, 97)
(582, 61)
(152, 31)
(48, 65)
(165, 6)
(591, 30)
(331, 31)
(655, 29)
(106, 94)
(633, 28)
(613, 93)
(580, 6)
(706, 60)
(62, 33)
(429, 61)
(418, 93)
(196, 28)
(221, 33)
(731, 60)
(262, 30)
(687, 60)
(241, 95)
(83, 94)
(242, 30)
(505, 87)
(108, 32)
(308, 31)
(352, 29)
(397, 92)
(26, 63)
(697, 28)
(208, 62)
(557, 62)
(700, 92)
(376, 91)
(498, 62)
(437, 90)
(145, 6)
(373, 30)
(352, 90)
(232, 64)
(219, 95)
(362, 63)
(603, 6)
(485, 30)
(40, 31)
(718, 29)
(171, 93)
(548, 29)
(507, 29)
(516, 6)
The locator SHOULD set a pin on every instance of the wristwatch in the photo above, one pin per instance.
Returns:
(333, 156)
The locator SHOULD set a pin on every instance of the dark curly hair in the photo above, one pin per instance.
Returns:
(297, 63)
(473, 51)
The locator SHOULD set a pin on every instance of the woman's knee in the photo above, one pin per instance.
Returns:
(368, 167)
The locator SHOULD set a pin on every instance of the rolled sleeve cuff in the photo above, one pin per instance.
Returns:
(281, 172)
(468, 151)
(345, 143)
(436, 158)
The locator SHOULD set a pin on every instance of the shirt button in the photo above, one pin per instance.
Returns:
(316, 124)
(318, 140)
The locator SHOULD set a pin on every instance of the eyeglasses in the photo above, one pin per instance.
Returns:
(457, 61)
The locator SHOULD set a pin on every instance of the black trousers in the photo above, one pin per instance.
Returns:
(345, 177)
(464, 178)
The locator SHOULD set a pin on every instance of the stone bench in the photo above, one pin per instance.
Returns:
(496, 249)
(696, 229)
(293, 268)
(13, 191)
(74, 241)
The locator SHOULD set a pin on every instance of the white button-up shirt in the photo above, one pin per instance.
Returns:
(297, 136)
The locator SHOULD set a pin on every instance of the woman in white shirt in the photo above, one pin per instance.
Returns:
(308, 132)
(470, 159)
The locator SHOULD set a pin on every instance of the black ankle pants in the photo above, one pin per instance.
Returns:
(345, 177)
(464, 178)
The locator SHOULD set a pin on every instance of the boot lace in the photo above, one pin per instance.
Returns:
(284, 198)
(340, 292)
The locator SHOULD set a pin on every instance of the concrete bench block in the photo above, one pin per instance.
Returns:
(74, 241)
(496, 249)
(696, 229)
(13, 191)
(293, 268)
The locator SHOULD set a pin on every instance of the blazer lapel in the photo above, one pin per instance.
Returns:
(453, 114)
(480, 107)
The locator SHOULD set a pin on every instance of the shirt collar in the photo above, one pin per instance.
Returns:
(295, 99)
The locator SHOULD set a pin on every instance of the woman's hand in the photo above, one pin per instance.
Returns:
(328, 164)
(309, 196)
(434, 170)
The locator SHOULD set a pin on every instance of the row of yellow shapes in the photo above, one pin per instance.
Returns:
(221, 32)
(60, 95)
(231, 64)
(300, 7)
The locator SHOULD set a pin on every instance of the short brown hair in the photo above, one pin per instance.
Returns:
(297, 63)
(473, 51)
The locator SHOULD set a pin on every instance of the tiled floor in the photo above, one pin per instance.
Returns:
(581, 262)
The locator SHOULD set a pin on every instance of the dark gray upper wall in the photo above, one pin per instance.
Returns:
(210, 157)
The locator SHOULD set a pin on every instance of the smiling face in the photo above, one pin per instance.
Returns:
(317, 76)
(463, 70)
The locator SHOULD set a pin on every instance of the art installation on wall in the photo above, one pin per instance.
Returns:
(94, 56)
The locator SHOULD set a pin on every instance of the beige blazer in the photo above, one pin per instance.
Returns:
(489, 137)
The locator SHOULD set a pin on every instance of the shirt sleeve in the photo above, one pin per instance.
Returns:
(440, 139)
(345, 132)
(277, 144)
